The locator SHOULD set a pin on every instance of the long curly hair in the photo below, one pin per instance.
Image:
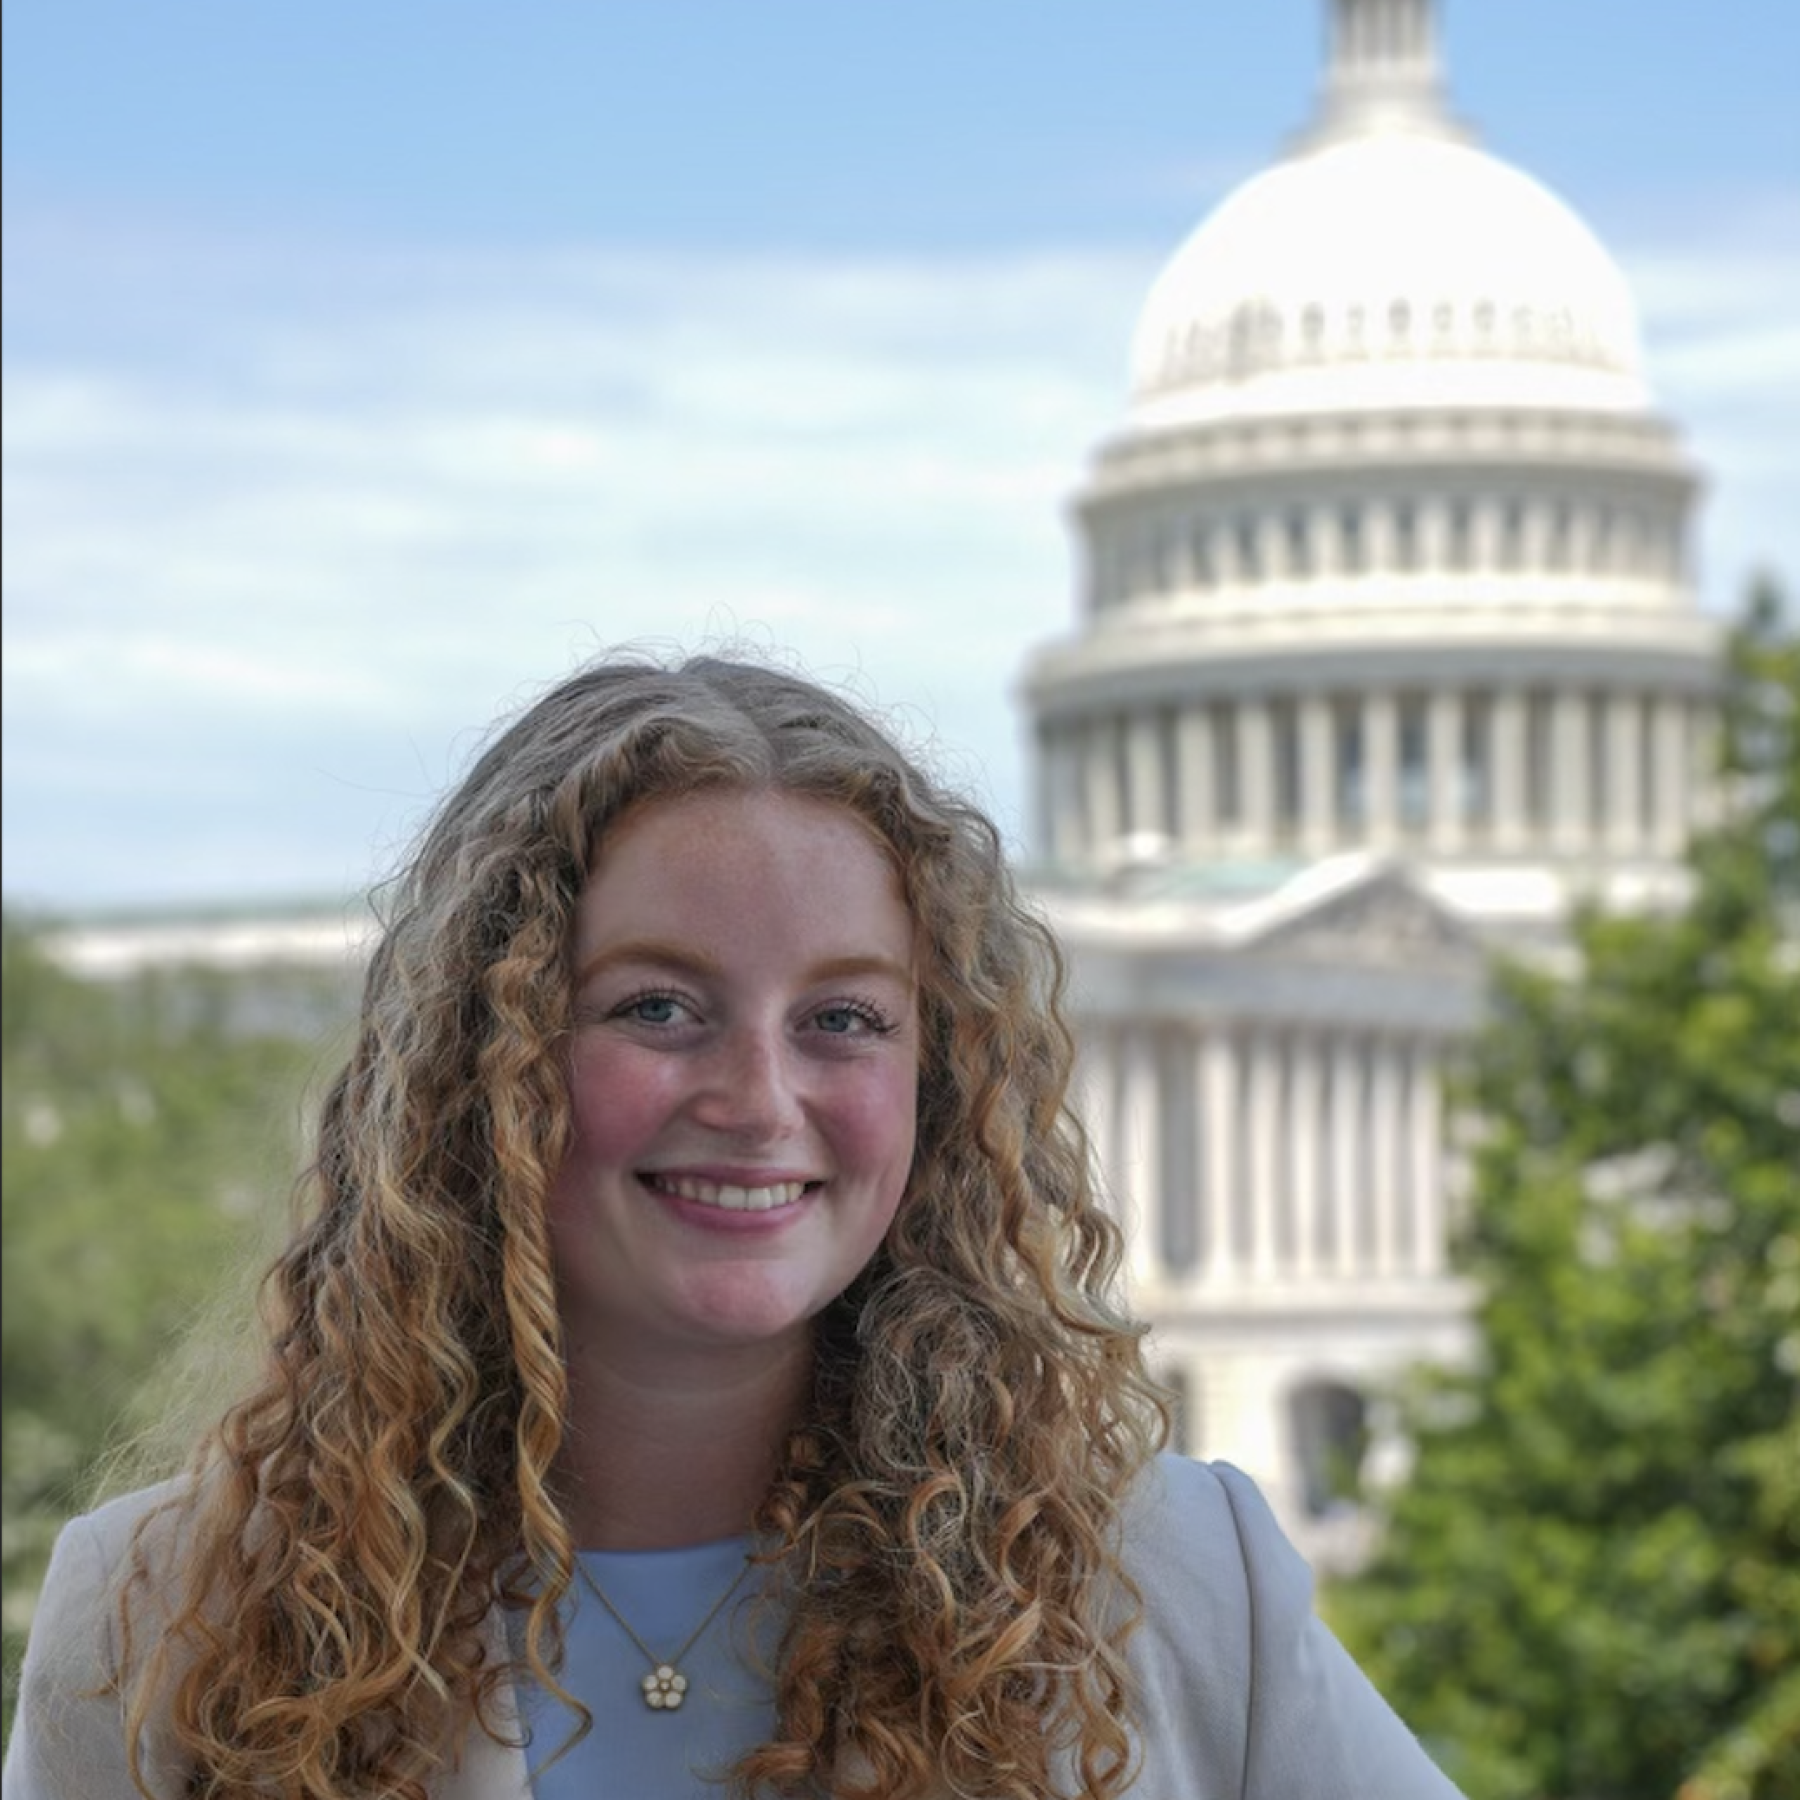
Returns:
(943, 1512)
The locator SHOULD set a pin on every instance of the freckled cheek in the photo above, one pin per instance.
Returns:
(618, 1098)
(877, 1119)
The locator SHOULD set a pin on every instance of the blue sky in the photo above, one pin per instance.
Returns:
(367, 365)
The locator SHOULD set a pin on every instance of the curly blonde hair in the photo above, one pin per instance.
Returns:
(945, 1509)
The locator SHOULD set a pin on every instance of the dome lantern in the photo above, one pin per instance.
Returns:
(1382, 74)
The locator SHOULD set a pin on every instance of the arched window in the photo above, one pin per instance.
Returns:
(1603, 550)
(1249, 551)
(1162, 560)
(1227, 786)
(1475, 788)
(1330, 1427)
(1512, 534)
(1406, 536)
(1299, 545)
(1200, 552)
(1242, 341)
(1628, 543)
(1461, 547)
(1561, 530)
(1284, 724)
(1414, 771)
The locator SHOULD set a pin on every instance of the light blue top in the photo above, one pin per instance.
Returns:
(633, 1750)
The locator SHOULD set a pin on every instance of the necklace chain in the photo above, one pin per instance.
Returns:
(665, 1687)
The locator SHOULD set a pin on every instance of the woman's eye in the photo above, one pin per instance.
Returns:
(651, 1009)
(847, 1021)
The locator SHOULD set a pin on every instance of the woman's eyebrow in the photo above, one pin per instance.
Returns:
(839, 968)
(690, 962)
(646, 950)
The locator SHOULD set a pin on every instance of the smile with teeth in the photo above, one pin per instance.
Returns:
(727, 1195)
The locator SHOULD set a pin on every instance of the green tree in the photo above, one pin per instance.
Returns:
(1589, 1585)
(149, 1135)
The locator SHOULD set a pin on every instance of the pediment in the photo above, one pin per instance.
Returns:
(1382, 918)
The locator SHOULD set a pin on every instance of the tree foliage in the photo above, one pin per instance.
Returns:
(1589, 1586)
(149, 1136)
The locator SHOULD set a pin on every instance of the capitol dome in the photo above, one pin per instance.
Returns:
(1386, 652)
(1390, 549)
(1387, 267)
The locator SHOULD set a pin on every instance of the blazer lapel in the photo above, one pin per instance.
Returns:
(488, 1771)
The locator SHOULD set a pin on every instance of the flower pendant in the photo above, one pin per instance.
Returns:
(664, 1688)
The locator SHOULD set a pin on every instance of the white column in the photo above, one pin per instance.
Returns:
(1570, 773)
(1384, 1158)
(1348, 1189)
(1318, 797)
(1271, 546)
(1381, 769)
(1624, 765)
(1378, 515)
(1581, 539)
(1306, 1141)
(1141, 1131)
(1195, 781)
(1506, 772)
(1669, 752)
(1221, 1172)
(1100, 749)
(1256, 772)
(1535, 536)
(1062, 796)
(1097, 1072)
(1704, 798)
(1443, 752)
(1265, 1126)
(1484, 532)
(1426, 1111)
(1149, 812)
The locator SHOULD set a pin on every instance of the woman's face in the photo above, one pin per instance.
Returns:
(743, 1076)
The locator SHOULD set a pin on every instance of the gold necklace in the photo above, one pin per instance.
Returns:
(665, 1687)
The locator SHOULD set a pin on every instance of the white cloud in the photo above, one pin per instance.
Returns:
(282, 536)
(375, 523)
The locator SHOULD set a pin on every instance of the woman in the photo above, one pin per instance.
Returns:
(701, 1358)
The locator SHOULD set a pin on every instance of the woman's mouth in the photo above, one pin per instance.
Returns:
(728, 1196)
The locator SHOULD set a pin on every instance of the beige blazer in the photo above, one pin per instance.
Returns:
(1243, 1693)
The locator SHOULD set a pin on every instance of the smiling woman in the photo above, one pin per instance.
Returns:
(743, 1079)
(700, 1361)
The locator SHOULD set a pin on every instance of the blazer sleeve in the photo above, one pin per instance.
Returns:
(68, 1734)
(1247, 1694)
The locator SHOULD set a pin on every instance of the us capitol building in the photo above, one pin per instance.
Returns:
(1386, 654)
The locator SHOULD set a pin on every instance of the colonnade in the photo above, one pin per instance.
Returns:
(1556, 771)
(1247, 1152)
(1187, 550)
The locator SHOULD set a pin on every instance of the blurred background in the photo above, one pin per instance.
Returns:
(365, 369)
(366, 366)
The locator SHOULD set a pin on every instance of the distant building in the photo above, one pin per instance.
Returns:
(1387, 652)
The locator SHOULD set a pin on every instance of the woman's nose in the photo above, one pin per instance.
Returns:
(752, 1088)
